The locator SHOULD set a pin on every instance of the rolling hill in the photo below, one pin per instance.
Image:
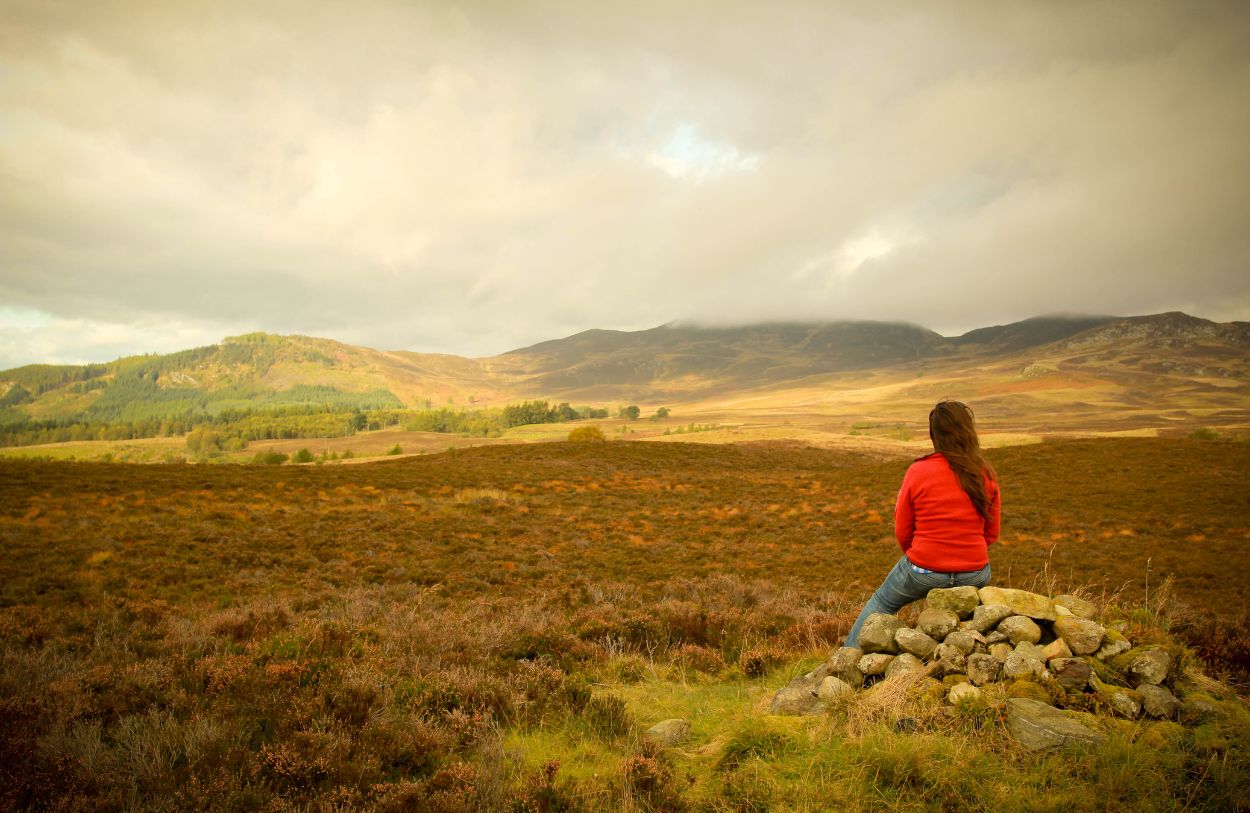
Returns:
(1095, 372)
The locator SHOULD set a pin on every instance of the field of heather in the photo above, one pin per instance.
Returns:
(491, 628)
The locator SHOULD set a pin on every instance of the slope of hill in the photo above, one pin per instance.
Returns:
(1063, 373)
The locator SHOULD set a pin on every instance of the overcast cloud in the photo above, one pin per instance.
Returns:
(471, 178)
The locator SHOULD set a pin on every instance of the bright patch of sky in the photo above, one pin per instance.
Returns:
(689, 156)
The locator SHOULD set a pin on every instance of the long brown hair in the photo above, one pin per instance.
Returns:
(953, 430)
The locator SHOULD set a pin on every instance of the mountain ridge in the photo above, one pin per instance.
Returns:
(670, 363)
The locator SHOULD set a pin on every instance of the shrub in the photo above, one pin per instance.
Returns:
(1204, 433)
(302, 456)
(270, 458)
(396, 449)
(607, 716)
(586, 434)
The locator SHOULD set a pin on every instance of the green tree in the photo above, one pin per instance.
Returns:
(302, 456)
(629, 413)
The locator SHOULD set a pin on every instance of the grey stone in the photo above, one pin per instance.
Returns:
(986, 616)
(1198, 710)
(963, 641)
(937, 624)
(1019, 665)
(1157, 701)
(1113, 643)
(996, 637)
(915, 642)
(999, 652)
(950, 659)
(1145, 666)
(1022, 602)
(1071, 673)
(832, 687)
(1079, 606)
(874, 663)
(1122, 701)
(983, 669)
(877, 634)
(796, 701)
(959, 600)
(670, 732)
(1020, 628)
(842, 664)
(1084, 637)
(1036, 725)
(1030, 650)
(903, 663)
(962, 693)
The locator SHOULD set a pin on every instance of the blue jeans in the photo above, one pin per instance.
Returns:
(904, 585)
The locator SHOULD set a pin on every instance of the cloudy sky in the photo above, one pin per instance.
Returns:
(474, 177)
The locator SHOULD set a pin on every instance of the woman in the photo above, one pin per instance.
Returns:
(945, 519)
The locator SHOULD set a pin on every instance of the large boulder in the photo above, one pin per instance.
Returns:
(959, 600)
(937, 624)
(915, 642)
(1082, 636)
(877, 634)
(1036, 725)
(1022, 602)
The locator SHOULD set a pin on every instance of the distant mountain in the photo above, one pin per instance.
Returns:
(674, 360)
(671, 363)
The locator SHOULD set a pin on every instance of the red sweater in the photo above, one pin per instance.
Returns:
(936, 523)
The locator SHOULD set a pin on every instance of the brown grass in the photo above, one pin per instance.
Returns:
(358, 637)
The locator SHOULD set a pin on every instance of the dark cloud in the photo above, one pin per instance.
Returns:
(471, 178)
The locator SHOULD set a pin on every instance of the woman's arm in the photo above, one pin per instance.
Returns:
(905, 514)
(993, 521)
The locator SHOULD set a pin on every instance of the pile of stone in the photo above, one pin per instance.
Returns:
(967, 640)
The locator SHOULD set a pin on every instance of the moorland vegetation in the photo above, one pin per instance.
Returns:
(493, 629)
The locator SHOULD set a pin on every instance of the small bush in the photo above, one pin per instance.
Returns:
(1204, 434)
(302, 456)
(396, 449)
(270, 458)
(587, 434)
(607, 716)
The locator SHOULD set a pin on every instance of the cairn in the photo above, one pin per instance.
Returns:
(1039, 655)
